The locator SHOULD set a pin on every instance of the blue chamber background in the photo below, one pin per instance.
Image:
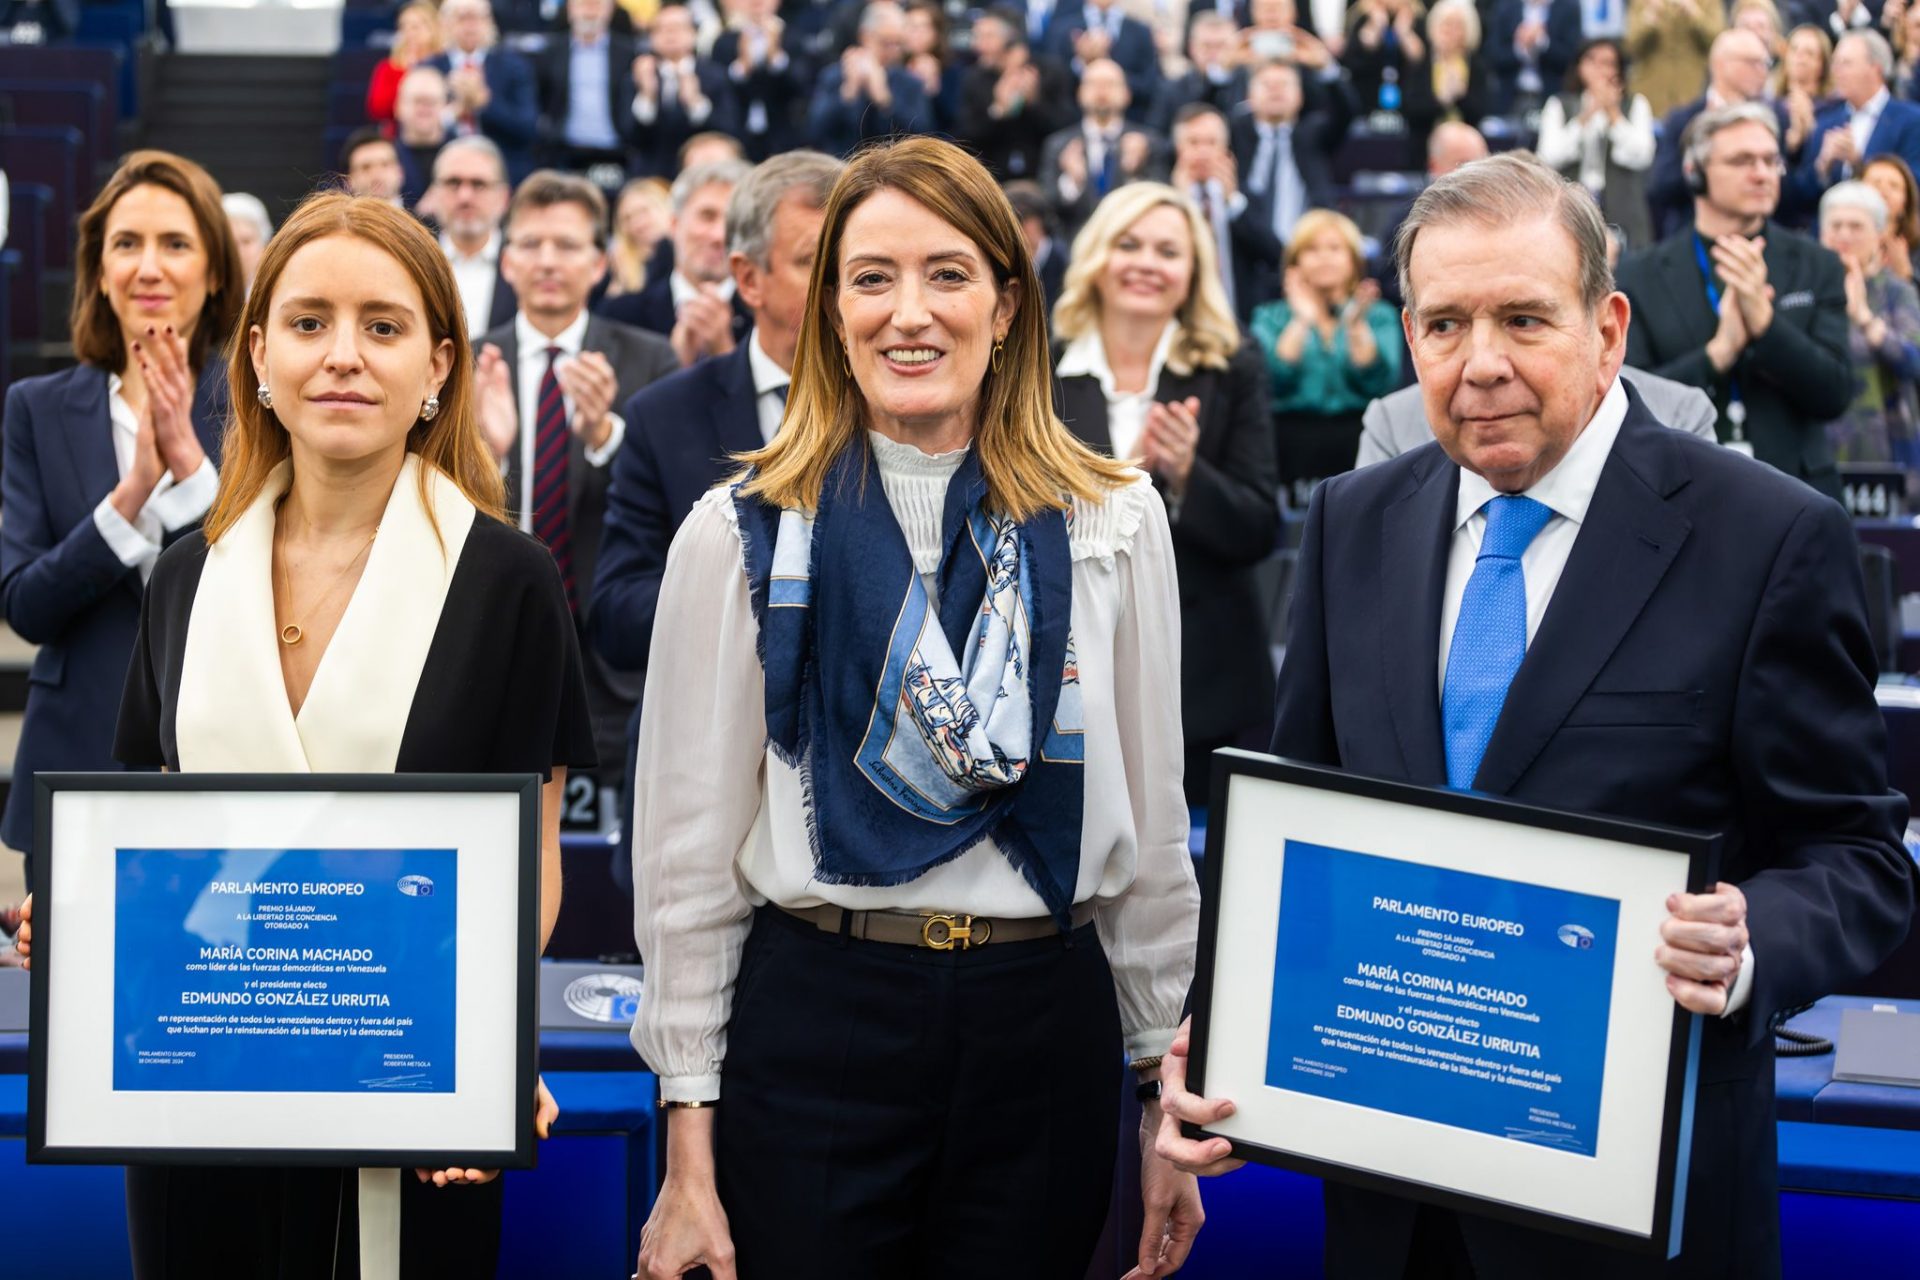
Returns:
(1442, 995)
(285, 970)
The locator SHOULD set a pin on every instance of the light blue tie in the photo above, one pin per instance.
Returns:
(1489, 636)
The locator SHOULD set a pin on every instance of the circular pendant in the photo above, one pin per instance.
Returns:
(290, 634)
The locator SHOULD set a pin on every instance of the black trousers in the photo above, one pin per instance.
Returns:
(892, 1111)
(192, 1223)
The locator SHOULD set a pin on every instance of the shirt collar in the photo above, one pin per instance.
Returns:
(1568, 488)
(1086, 357)
(569, 339)
(767, 375)
(1873, 106)
(682, 288)
(119, 412)
(489, 252)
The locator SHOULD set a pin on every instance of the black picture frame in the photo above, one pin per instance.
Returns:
(1702, 851)
(525, 787)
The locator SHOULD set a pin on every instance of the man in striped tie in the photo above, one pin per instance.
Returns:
(548, 381)
(1563, 602)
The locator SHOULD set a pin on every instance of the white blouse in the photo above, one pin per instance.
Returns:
(718, 821)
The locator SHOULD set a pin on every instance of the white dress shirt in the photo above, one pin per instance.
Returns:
(682, 289)
(1590, 143)
(1086, 357)
(1862, 122)
(532, 369)
(475, 275)
(1568, 491)
(171, 506)
(769, 387)
(713, 842)
(646, 110)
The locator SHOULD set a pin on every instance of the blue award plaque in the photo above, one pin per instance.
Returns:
(1442, 995)
(285, 970)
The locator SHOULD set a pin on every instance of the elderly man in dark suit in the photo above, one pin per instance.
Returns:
(1285, 145)
(494, 90)
(685, 429)
(693, 303)
(676, 94)
(549, 382)
(1749, 312)
(1867, 121)
(1013, 98)
(769, 74)
(1082, 162)
(1100, 29)
(1736, 72)
(1685, 642)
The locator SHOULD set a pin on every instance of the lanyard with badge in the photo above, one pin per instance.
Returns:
(1736, 407)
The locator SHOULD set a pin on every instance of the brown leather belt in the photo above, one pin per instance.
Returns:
(939, 931)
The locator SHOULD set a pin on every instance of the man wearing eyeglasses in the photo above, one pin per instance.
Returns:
(1737, 67)
(1753, 314)
(548, 382)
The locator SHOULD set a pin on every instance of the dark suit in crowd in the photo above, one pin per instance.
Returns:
(838, 127)
(61, 586)
(657, 144)
(1563, 40)
(1228, 521)
(1668, 197)
(1010, 145)
(1195, 86)
(1896, 132)
(652, 308)
(1317, 137)
(511, 120)
(1132, 48)
(1074, 213)
(768, 100)
(680, 432)
(638, 359)
(1704, 662)
(1793, 379)
(555, 76)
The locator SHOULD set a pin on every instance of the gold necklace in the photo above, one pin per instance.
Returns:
(292, 633)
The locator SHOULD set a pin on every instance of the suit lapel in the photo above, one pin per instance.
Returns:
(1416, 533)
(736, 415)
(510, 352)
(1083, 407)
(91, 445)
(1625, 547)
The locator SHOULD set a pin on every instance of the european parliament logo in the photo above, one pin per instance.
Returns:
(415, 886)
(1577, 936)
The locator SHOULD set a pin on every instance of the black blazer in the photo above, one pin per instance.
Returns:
(652, 308)
(656, 146)
(1010, 145)
(1226, 524)
(1563, 39)
(781, 94)
(512, 116)
(1668, 197)
(555, 72)
(61, 586)
(1317, 138)
(1705, 662)
(1795, 379)
(1422, 111)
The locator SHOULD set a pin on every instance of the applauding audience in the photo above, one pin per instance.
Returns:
(1883, 338)
(1591, 133)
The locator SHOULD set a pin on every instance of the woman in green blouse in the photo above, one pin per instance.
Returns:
(1331, 348)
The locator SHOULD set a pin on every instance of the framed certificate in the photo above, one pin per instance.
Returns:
(284, 969)
(1447, 997)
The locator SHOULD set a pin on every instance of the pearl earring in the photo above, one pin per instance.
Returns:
(431, 409)
(265, 395)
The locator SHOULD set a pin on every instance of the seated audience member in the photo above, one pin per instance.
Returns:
(1868, 120)
(930, 60)
(676, 94)
(1530, 46)
(1383, 45)
(869, 93)
(1396, 423)
(1758, 324)
(111, 460)
(1448, 147)
(469, 196)
(252, 228)
(1736, 72)
(1154, 369)
(1286, 149)
(1592, 133)
(1094, 30)
(1762, 17)
(710, 147)
(694, 304)
(686, 428)
(1041, 227)
(1804, 82)
(550, 384)
(642, 220)
(1084, 161)
(1331, 346)
(1211, 75)
(1452, 83)
(1667, 42)
(1889, 175)
(764, 65)
(1012, 99)
(370, 165)
(586, 91)
(493, 88)
(416, 35)
(1246, 245)
(1271, 33)
(420, 130)
(1883, 333)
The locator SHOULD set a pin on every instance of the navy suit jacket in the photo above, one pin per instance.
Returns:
(1705, 662)
(1133, 49)
(512, 117)
(837, 127)
(1896, 132)
(61, 585)
(1563, 39)
(652, 308)
(656, 146)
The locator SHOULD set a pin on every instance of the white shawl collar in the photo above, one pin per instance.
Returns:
(233, 715)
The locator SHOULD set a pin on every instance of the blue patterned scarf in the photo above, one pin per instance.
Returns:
(914, 730)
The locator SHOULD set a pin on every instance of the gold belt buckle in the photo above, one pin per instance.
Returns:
(947, 932)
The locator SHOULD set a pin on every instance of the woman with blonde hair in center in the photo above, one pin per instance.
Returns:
(908, 808)
(1153, 368)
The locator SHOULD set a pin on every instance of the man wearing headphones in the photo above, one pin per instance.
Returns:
(1737, 305)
